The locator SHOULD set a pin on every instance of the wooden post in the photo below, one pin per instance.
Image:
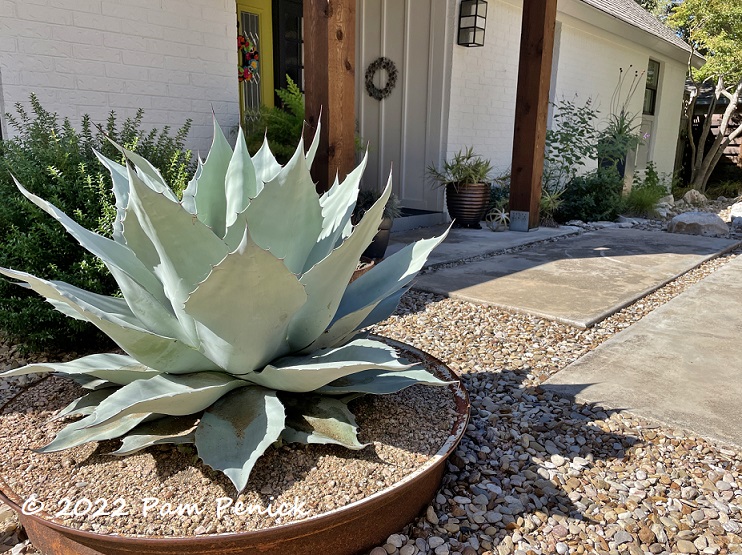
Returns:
(531, 109)
(329, 83)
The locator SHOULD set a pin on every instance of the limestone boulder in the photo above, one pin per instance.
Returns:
(695, 198)
(698, 223)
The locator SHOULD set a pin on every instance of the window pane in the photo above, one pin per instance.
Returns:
(653, 74)
(649, 97)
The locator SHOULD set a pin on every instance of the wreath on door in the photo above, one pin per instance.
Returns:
(248, 56)
(391, 78)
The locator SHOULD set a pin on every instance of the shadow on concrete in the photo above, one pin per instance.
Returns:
(578, 280)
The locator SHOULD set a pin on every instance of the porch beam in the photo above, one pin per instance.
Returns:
(329, 84)
(531, 109)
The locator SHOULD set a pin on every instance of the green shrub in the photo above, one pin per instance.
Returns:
(55, 161)
(595, 196)
(282, 126)
(647, 189)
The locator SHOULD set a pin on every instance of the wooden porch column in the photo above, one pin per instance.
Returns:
(531, 108)
(329, 83)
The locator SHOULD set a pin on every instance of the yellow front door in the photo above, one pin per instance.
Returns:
(254, 56)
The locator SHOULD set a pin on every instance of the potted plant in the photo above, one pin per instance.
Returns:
(467, 191)
(393, 209)
(241, 332)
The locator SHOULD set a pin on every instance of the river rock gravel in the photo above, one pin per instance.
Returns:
(538, 474)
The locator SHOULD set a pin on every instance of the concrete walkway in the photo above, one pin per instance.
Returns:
(680, 365)
(579, 280)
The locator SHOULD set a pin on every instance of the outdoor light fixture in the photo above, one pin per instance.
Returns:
(472, 19)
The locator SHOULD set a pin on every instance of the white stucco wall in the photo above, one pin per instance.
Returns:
(173, 58)
(587, 64)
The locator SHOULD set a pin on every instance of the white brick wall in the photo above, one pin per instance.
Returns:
(484, 82)
(174, 58)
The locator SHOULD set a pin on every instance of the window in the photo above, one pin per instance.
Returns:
(650, 93)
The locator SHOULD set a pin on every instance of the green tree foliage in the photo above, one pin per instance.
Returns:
(56, 162)
(714, 28)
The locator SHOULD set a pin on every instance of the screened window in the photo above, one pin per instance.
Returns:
(650, 93)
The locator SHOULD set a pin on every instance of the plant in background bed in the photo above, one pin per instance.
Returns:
(236, 314)
(595, 196)
(621, 135)
(646, 191)
(282, 125)
(467, 192)
(57, 162)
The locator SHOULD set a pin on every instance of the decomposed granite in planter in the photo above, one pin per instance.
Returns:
(301, 499)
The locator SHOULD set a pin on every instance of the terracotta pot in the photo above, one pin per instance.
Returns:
(377, 248)
(467, 203)
(352, 529)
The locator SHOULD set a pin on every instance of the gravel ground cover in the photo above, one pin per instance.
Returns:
(540, 474)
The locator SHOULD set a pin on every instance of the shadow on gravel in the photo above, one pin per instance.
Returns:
(522, 457)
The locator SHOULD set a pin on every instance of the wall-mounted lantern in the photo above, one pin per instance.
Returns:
(472, 21)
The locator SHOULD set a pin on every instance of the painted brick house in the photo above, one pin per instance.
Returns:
(178, 59)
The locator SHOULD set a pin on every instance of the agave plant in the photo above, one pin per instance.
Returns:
(239, 323)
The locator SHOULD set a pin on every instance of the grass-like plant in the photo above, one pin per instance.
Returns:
(237, 316)
(464, 168)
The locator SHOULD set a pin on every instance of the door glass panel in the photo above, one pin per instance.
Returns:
(248, 43)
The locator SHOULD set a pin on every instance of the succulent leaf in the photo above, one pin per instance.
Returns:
(308, 373)
(337, 209)
(187, 249)
(114, 256)
(151, 349)
(237, 430)
(380, 382)
(319, 419)
(117, 369)
(243, 332)
(388, 277)
(210, 195)
(286, 217)
(320, 281)
(176, 430)
(120, 179)
(80, 432)
(84, 405)
(242, 183)
(166, 394)
(266, 166)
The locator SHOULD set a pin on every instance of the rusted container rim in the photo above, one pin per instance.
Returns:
(461, 399)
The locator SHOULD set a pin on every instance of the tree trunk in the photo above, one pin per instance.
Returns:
(704, 160)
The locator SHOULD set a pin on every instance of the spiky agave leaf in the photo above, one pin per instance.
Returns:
(236, 315)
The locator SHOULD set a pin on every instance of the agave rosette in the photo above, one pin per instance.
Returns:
(237, 316)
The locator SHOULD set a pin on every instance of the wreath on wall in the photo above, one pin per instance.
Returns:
(391, 80)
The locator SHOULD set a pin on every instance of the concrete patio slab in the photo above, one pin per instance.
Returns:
(579, 280)
(469, 243)
(680, 365)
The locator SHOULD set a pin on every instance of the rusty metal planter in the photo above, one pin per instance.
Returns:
(352, 529)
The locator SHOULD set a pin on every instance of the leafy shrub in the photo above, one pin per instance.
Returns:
(595, 196)
(570, 143)
(647, 189)
(282, 126)
(56, 162)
